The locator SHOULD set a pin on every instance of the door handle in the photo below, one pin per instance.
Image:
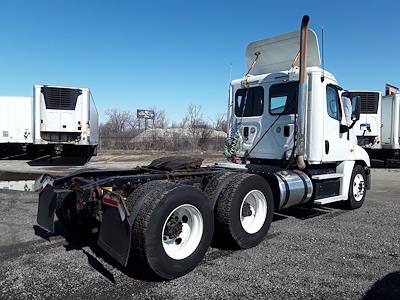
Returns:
(286, 130)
(246, 132)
(326, 147)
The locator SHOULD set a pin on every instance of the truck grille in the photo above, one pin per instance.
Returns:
(60, 98)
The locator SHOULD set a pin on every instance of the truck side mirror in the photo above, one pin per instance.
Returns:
(356, 108)
(365, 127)
(343, 128)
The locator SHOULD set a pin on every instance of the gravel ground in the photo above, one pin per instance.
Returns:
(309, 253)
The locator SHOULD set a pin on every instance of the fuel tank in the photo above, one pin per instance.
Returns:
(295, 187)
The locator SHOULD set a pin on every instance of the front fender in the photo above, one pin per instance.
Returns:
(361, 155)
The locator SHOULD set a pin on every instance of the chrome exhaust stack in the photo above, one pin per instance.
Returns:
(302, 97)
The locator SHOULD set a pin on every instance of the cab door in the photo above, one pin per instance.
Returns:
(336, 144)
(266, 119)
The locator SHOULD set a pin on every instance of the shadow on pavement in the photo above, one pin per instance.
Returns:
(59, 161)
(83, 240)
(302, 213)
(387, 288)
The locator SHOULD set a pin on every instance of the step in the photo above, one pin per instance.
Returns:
(326, 176)
(330, 200)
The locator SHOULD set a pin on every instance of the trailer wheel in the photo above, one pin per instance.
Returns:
(244, 211)
(357, 189)
(172, 231)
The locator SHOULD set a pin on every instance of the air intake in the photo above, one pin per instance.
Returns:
(60, 98)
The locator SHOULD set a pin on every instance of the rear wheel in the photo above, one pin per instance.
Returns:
(216, 184)
(244, 211)
(357, 189)
(172, 231)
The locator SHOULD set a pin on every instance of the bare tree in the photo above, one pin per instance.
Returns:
(221, 123)
(118, 122)
(193, 120)
(175, 124)
(199, 130)
(121, 130)
(160, 118)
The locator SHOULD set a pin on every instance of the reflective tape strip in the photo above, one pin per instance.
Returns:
(110, 202)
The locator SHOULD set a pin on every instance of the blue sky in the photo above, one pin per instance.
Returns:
(167, 54)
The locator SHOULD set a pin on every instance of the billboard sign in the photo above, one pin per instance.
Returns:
(145, 114)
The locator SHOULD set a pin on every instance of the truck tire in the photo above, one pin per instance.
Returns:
(243, 213)
(136, 197)
(216, 184)
(357, 189)
(172, 231)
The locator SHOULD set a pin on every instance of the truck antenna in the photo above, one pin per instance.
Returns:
(323, 61)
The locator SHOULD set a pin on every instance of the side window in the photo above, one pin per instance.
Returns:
(278, 104)
(249, 102)
(332, 103)
(282, 98)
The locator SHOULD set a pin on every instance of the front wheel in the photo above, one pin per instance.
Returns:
(357, 189)
(172, 231)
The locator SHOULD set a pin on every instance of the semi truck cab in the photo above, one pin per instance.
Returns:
(265, 109)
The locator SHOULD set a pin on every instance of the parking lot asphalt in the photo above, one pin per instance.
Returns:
(317, 252)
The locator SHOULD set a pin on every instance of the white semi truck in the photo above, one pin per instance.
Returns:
(292, 141)
(56, 120)
(378, 129)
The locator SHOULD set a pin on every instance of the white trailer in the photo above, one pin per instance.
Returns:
(56, 120)
(368, 128)
(390, 133)
(378, 129)
(15, 125)
(292, 141)
(65, 120)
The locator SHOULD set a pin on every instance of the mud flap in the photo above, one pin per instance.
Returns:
(47, 208)
(115, 235)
